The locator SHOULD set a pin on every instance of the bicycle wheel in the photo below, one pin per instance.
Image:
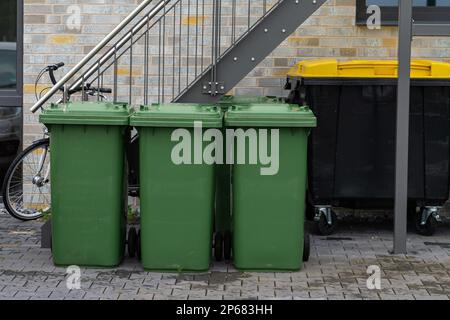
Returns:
(26, 188)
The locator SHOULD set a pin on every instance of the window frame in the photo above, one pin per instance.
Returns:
(389, 15)
(14, 97)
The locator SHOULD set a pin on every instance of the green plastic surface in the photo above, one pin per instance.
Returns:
(177, 201)
(177, 115)
(239, 100)
(86, 113)
(264, 115)
(223, 187)
(88, 190)
(268, 210)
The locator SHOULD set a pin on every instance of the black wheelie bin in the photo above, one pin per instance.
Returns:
(352, 151)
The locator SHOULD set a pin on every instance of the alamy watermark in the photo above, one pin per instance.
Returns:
(374, 20)
(374, 280)
(74, 15)
(73, 280)
(73, 21)
(237, 146)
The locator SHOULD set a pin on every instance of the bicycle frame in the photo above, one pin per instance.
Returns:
(41, 166)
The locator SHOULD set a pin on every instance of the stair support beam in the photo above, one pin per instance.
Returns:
(252, 49)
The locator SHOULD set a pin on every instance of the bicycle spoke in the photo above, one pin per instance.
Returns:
(28, 189)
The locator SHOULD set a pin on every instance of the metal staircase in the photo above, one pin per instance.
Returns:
(183, 50)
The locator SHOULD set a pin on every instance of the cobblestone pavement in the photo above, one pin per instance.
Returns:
(337, 270)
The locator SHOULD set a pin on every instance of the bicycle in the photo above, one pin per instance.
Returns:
(26, 187)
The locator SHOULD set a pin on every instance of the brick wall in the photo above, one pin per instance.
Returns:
(331, 32)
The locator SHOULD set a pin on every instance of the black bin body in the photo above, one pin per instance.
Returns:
(352, 151)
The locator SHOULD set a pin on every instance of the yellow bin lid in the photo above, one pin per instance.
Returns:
(332, 68)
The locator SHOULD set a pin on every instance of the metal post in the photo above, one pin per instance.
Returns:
(215, 46)
(402, 144)
(66, 94)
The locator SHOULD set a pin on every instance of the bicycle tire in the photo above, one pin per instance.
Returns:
(37, 144)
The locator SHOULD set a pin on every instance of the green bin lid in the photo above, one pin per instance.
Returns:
(87, 113)
(246, 99)
(264, 115)
(177, 115)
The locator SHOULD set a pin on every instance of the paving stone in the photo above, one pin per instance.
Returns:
(125, 296)
(115, 296)
(337, 270)
(300, 293)
(396, 296)
(213, 296)
(428, 297)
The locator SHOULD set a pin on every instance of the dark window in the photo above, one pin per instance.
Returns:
(11, 53)
(8, 44)
(10, 136)
(424, 11)
(10, 82)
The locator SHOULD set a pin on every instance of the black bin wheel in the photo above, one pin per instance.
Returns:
(323, 227)
(309, 211)
(132, 242)
(306, 247)
(429, 228)
(218, 246)
(227, 244)
(138, 246)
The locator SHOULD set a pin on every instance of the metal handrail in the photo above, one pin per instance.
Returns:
(92, 54)
(175, 34)
(121, 43)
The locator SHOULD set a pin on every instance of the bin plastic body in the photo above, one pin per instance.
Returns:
(87, 143)
(223, 171)
(227, 101)
(268, 210)
(352, 152)
(177, 200)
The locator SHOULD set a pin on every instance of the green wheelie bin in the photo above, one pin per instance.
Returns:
(222, 237)
(269, 196)
(87, 170)
(176, 185)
